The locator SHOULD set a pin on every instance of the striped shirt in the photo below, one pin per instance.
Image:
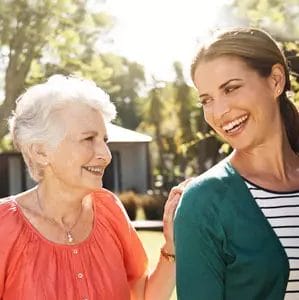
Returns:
(282, 212)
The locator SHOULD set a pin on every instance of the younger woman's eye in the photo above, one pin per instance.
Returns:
(204, 101)
(230, 89)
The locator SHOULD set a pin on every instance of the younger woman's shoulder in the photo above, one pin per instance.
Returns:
(214, 180)
(207, 192)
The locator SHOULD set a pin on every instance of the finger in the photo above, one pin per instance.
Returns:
(180, 187)
(173, 192)
(170, 208)
(184, 183)
(172, 201)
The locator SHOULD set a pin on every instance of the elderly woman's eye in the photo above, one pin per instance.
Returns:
(89, 138)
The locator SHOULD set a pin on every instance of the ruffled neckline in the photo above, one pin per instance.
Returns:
(42, 238)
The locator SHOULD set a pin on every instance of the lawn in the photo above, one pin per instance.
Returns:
(152, 242)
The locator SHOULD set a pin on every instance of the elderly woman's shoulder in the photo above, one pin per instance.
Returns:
(7, 205)
(102, 195)
(9, 217)
(5, 202)
(109, 202)
(106, 198)
(11, 229)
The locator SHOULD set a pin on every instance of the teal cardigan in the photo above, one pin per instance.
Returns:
(225, 247)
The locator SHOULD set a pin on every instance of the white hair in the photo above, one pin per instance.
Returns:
(33, 119)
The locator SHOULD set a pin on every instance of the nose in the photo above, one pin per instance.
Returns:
(220, 108)
(103, 153)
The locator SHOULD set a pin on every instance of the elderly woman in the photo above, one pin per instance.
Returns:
(237, 226)
(68, 238)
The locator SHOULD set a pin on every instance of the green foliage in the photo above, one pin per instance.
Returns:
(182, 142)
(40, 38)
(277, 16)
(281, 19)
(126, 81)
(6, 144)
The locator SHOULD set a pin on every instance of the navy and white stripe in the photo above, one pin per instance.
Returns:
(282, 212)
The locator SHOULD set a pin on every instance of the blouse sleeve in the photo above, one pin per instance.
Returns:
(9, 230)
(199, 238)
(134, 256)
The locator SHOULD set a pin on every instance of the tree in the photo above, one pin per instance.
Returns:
(126, 81)
(41, 37)
(281, 19)
(185, 104)
(277, 16)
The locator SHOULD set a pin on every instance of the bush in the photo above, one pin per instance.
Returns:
(153, 205)
(130, 200)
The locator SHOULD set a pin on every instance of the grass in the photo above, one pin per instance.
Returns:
(152, 242)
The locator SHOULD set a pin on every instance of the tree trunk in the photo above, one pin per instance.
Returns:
(15, 77)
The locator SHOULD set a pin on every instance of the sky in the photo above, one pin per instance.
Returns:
(156, 33)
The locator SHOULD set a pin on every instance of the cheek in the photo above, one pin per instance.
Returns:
(208, 116)
(72, 156)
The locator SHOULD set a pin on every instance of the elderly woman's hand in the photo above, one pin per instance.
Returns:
(169, 210)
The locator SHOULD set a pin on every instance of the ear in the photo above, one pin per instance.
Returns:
(277, 79)
(39, 154)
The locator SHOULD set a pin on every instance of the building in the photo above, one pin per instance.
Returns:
(129, 169)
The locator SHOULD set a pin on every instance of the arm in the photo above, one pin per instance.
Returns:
(199, 237)
(159, 284)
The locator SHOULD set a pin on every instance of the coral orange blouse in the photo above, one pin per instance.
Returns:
(101, 267)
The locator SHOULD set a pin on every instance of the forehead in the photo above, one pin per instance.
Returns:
(81, 118)
(216, 71)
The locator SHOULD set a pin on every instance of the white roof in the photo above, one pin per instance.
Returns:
(119, 134)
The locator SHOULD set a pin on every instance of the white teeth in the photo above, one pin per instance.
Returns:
(94, 169)
(234, 123)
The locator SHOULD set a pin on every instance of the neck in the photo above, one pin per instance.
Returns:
(273, 159)
(62, 205)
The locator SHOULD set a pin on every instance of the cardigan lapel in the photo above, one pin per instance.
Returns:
(238, 182)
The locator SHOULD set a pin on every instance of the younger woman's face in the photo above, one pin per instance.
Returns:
(239, 104)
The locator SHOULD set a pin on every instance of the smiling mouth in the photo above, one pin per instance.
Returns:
(235, 125)
(98, 171)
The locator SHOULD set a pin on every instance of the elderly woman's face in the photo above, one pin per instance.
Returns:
(238, 103)
(81, 157)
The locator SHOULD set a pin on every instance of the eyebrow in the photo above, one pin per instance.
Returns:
(106, 138)
(223, 85)
(89, 132)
